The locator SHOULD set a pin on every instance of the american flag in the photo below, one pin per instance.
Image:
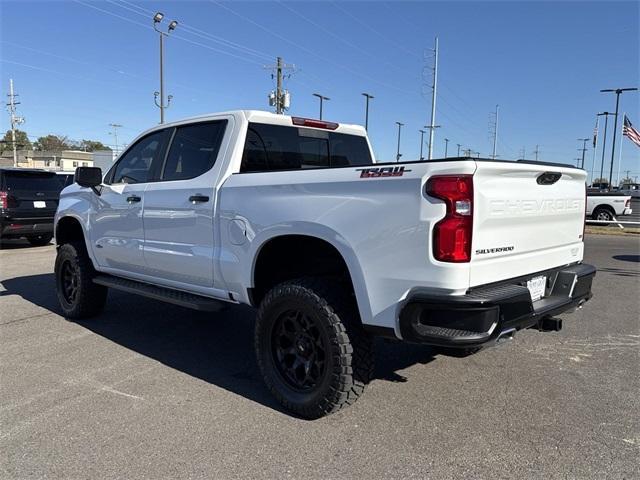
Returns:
(595, 133)
(631, 133)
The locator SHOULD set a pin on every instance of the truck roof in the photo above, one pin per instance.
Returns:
(261, 116)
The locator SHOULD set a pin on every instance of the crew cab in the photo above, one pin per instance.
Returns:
(607, 206)
(295, 217)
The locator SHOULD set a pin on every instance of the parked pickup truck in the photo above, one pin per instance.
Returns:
(295, 217)
(606, 206)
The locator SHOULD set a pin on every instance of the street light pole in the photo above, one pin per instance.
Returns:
(458, 148)
(617, 91)
(366, 112)
(322, 98)
(422, 132)
(446, 147)
(157, 18)
(398, 154)
(604, 142)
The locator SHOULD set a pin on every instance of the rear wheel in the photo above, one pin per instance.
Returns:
(314, 356)
(603, 214)
(79, 297)
(40, 240)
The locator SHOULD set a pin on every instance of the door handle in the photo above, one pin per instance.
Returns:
(198, 198)
(133, 199)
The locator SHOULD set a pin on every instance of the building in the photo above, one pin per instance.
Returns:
(65, 160)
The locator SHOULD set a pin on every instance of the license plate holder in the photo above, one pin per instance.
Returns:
(537, 286)
(39, 204)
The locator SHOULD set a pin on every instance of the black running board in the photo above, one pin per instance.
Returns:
(169, 295)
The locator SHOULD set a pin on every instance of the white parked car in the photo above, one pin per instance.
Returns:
(295, 217)
(632, 189)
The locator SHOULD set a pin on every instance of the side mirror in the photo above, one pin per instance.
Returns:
(88, 177)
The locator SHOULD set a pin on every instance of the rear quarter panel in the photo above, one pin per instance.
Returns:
(381, 227)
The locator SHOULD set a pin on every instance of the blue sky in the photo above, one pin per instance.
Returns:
(80, 65)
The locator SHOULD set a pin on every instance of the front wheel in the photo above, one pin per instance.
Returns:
(313, 354)
(79, 297)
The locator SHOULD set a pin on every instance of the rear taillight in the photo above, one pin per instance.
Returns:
(4, 202)
(452, 234)
(627, 204)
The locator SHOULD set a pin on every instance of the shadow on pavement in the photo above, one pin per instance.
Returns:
(627, 258)
(214, 347)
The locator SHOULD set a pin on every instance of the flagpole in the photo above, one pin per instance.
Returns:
(624, 114)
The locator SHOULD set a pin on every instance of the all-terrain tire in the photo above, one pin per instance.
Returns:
(79, 297)
(332, 313)
(40, 240)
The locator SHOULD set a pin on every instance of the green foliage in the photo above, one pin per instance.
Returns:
(92, 146)
(52, 142)
(22, 141)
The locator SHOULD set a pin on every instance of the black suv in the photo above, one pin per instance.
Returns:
(28, 203)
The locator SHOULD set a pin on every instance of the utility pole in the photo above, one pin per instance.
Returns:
(422, 132)
(115, 127)
(446, 147)
(522, 153)
(322, 98)
(279, 98)
(584, 149)
(157, 18)
(434, 87)
(458, 148)
(604, 142)
(398, 154)
(495, 133)
(536, 152)
(366, 111)
(15, 120)
(617, 91)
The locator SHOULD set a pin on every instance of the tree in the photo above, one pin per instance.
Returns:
(52, 142)
(627, 180)
(22, 141)
(601, 180)
(92, 145)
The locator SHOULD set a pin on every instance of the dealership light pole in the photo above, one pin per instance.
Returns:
(322, 98)
(459, 145)
(422, 132)
(157, 18)
(398, 154)
(446, 147)
(366, 111)
(617, 91)
(604, 142)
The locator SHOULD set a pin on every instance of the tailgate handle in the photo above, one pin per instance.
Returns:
(548, 178)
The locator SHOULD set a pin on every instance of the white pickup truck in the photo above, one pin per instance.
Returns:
(607, 206)
(295, 217)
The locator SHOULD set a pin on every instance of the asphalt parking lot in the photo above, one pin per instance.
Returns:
(150, 390)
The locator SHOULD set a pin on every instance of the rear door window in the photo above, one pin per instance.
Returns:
(276, 147)
(193, 150)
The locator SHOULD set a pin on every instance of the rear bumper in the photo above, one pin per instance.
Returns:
(485, 314)
(20, 227)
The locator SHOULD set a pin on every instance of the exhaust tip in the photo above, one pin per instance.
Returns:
(506, 335)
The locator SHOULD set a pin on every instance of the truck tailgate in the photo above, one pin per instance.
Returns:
(527, 218)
